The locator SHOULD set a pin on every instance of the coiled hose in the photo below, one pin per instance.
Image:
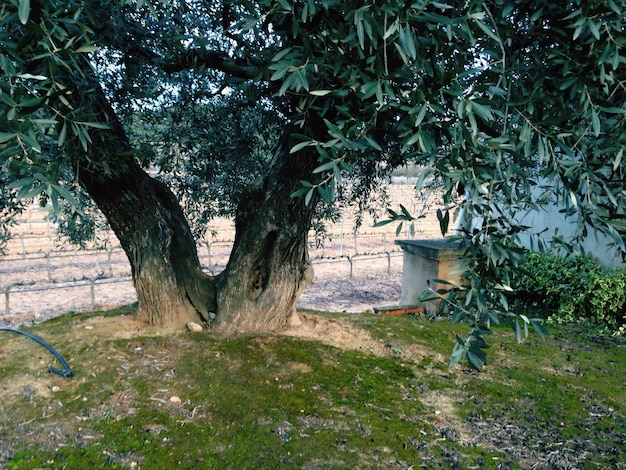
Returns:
(66, 372)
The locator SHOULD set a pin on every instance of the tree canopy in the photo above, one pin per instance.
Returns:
(489, 97)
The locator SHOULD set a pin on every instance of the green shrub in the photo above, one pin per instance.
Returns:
(573, 290)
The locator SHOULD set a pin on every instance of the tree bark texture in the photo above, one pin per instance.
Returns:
(148, 221)
(171, 287)
(269, 264)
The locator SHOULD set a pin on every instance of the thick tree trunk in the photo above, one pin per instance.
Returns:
(269, 265)
(171, 287)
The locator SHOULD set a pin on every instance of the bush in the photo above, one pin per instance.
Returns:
(573, 290)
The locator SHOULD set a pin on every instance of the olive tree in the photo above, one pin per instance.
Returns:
(488, 97)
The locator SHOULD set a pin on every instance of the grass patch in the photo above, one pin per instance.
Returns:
(142, 399)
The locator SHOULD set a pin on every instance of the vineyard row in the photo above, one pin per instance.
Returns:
(84, 290)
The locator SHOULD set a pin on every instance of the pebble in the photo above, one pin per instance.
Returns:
(191, 326)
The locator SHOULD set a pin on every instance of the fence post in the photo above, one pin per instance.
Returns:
(388, 262)
(92, 289)
(23, 245)
(109, 262)
(343, 219)
(48, 270)
(7, 311)
(350, 261)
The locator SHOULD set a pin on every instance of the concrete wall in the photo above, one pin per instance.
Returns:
(423, 262)
(547, 222)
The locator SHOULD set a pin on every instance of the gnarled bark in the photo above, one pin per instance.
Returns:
(148, 221)
(269, 264)
(170, 284)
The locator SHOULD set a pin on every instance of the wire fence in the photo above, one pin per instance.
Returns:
(39, 300)
(31, 267)
(84, 285)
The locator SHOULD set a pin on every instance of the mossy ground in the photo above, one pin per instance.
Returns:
(141, 398)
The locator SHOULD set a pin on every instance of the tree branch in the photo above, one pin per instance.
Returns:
(194, 58)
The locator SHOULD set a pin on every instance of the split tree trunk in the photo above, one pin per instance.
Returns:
(269, 265)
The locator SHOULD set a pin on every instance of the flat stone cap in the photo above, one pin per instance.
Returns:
(437, 249)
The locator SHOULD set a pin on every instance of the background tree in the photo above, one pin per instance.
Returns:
(485, 95)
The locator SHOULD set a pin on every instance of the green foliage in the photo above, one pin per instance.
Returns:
(493, 100)
(403, 216)
(471, 349)
(489, 98)
(39, 47)
(9, 208)
(482, 95)
(573, 290)
(210, 153)
(78, 228)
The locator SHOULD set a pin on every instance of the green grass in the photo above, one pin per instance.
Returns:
(200, 401)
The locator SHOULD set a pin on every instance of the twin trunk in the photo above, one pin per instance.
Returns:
(269, 265)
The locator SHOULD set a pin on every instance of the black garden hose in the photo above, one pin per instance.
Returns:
(67, 372)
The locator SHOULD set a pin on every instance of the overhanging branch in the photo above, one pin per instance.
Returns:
(195, 58)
